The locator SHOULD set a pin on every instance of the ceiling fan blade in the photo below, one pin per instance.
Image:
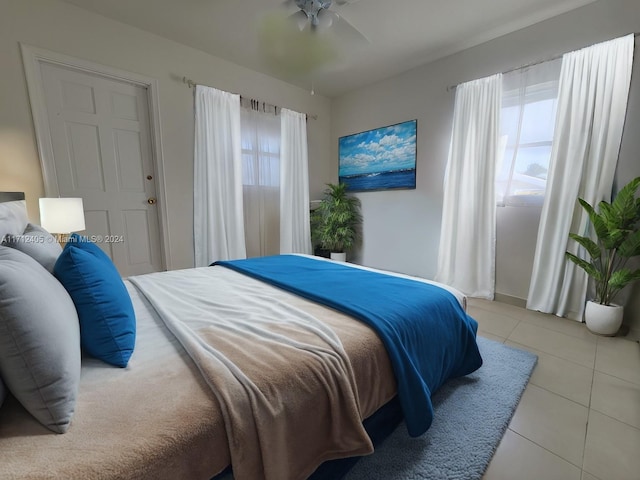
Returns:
(332, 23)
(307, 40)
(347, 32)
(299, 19)
(326, 18)
(293, 51)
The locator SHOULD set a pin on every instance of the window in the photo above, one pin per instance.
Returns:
(529, 101)
(260, 132)
(260, 148)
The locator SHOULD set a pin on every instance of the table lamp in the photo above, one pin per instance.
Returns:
(62, 216)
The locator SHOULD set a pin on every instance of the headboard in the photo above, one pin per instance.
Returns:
(11, 196)
(13, 213)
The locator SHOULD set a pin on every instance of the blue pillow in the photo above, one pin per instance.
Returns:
(83, 242)
(105, 311)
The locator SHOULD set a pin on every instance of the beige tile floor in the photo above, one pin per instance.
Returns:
(579, 417)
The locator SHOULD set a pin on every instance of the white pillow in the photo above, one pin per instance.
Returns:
(13, 218)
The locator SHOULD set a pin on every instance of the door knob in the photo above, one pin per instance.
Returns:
(151, 201)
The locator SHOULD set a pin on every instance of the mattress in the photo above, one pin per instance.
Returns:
(157, 418)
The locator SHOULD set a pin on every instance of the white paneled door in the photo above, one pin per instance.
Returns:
(101, 145)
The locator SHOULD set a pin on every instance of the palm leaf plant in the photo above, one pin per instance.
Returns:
(617, 230)
(335, 223)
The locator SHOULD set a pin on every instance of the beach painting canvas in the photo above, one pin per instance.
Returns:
(380, 159)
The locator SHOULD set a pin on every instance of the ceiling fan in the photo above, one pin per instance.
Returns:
(316, 14)
(311, 38)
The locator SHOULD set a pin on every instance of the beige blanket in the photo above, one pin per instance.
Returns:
(285, 386)
(158, 419)
(154, 420)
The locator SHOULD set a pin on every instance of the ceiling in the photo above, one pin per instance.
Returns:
(402, 34)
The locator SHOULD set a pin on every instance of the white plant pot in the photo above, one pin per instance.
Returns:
(603, 319)
(339, 257)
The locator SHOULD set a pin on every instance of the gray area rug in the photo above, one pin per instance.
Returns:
(471, 415)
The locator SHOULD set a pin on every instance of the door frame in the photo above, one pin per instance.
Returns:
(33, 58)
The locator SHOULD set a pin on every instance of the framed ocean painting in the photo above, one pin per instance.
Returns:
(380, 159)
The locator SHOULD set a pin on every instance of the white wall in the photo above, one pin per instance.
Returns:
(402, 228)
(69, 30)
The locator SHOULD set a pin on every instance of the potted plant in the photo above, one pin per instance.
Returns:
(617, 228)
(335, 222)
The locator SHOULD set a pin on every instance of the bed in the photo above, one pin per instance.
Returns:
(161, 417)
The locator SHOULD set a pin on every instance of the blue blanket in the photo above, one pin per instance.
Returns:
(428, 336)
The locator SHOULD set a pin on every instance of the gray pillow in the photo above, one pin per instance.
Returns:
(39, 244)
(39, 340)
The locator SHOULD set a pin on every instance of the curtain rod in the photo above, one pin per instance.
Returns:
(191, 84)
(527, 65)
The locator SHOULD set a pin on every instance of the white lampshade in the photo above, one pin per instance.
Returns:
(62, 215)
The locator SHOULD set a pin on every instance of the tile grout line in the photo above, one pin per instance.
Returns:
(556, 393)
(575, 334)
(558, 332)
(616, 376)
(560, 395)
(525, 347)
(560, 319)
(579, 467)
(637, 384)
(546, 449)
(614, 419)
(517, 322)
(586, 430)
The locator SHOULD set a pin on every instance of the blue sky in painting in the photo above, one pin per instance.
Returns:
(382, 150)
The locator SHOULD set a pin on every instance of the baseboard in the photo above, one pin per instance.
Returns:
(633, 334)
(515, 301)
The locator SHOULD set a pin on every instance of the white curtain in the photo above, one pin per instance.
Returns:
(218, 228)
(466, 258)
(261, 181)
(295, 231)
(592, 103)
